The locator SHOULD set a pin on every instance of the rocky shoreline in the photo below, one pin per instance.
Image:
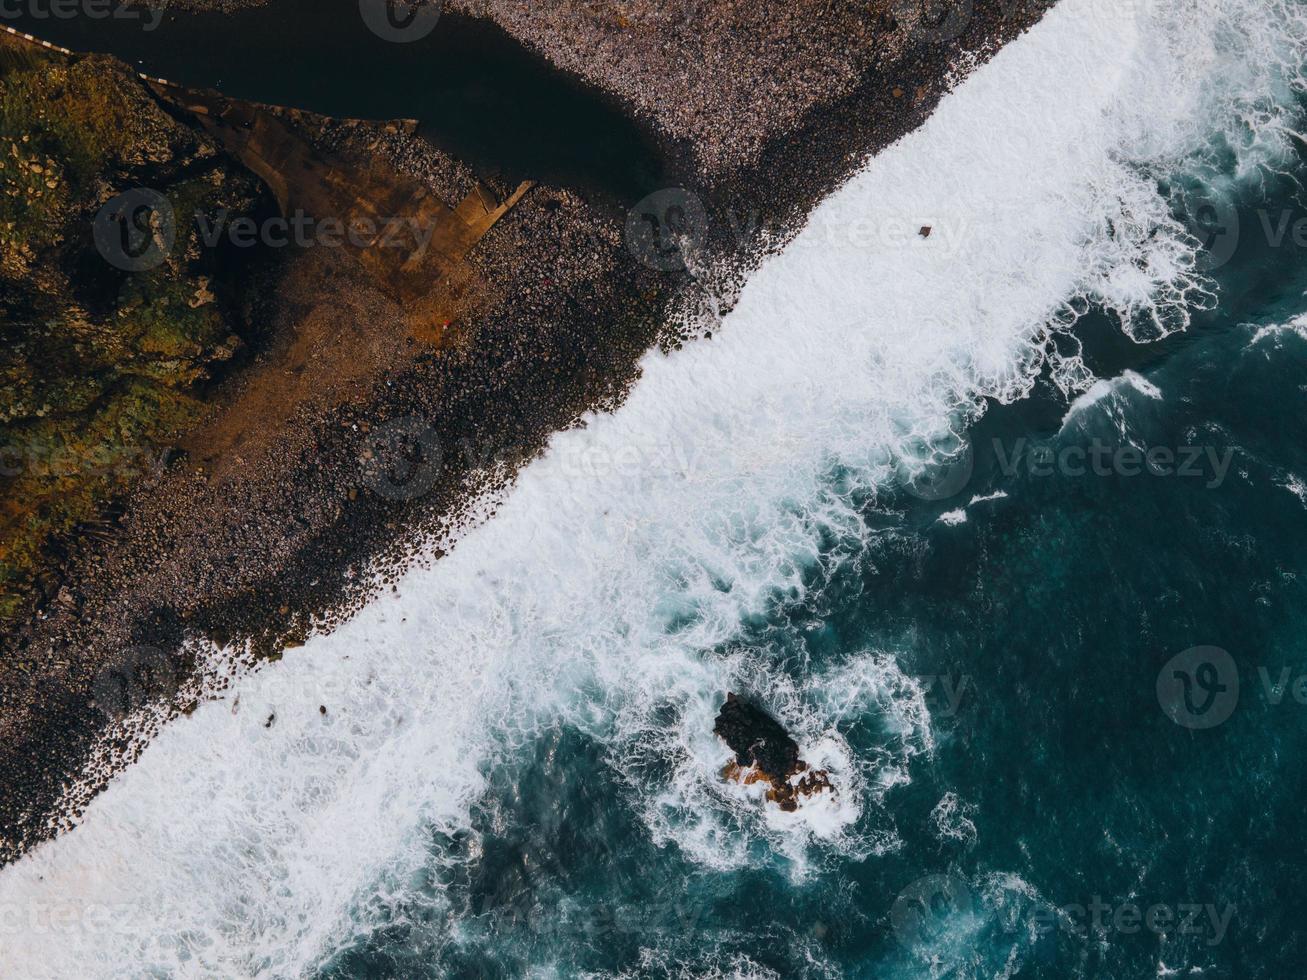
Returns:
(702, 71)
(271, 539)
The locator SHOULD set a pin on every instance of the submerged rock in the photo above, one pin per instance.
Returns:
(765, 752)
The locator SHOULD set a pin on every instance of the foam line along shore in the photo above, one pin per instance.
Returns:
(273, 542)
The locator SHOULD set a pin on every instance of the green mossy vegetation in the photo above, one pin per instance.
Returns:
(100, 370)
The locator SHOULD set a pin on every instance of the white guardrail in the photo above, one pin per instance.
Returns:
(54, 47)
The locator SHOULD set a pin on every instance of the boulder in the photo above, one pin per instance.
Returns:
(765, 752)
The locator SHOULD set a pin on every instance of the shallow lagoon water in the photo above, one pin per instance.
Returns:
(479, 95)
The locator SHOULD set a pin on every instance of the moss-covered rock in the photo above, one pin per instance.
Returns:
(100, 368)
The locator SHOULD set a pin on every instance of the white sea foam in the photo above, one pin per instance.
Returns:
(951, 820)
(953, 518)
(1113, 399)
(1296, 486)
(604, 597)
(1276, 333)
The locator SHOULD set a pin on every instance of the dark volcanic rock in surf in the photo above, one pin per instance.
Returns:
(764, 751)
(756, 738)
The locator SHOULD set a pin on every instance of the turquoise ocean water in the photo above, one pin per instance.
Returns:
(1037, 629)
